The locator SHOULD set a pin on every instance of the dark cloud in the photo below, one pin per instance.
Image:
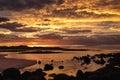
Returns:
(111, 4)
(26, 4)
(12, 39)
(76, 31)
(108, 24)
(27, 30)
(4, 19)
(60, 2)
(71, 12)
(112, 47)
(86, 14)
(11, 26)
(95, 40)
(50, 36)
(7, 36)
(17, 27)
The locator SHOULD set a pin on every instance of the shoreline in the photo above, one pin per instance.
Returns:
(14, 63)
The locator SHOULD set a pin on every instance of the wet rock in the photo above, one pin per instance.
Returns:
(61, 67)
(48, 67)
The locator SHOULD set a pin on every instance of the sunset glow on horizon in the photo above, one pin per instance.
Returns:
(60, 22)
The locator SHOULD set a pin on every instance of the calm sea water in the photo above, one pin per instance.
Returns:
(64, 58)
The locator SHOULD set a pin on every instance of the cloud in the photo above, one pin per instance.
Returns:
(109, 24)
(26, 4)
(95, 40)
(11, 26)
(27, 30)
(17, 27)
(88, 9)
(109, 4)
(92, 14)
(77, 31)
(72, 13)
(50, 36)
(4, 19)
(4, 38)
(13, 40)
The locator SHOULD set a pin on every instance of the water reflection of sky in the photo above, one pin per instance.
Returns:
(64, 59)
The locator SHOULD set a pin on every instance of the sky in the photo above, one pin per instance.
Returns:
(60, 22)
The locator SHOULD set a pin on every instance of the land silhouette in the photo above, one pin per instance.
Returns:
(26, 49)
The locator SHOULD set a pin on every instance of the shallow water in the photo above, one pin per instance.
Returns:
(64, 58)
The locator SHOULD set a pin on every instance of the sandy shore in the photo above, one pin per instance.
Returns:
(16, 63)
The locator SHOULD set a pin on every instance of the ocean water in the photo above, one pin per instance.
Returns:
(58, 59)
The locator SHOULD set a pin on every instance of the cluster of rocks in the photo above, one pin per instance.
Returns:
(100, 59)
(106, 73)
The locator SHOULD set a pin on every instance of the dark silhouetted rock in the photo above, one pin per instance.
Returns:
(52, 61)
(101, 61)
(11, 73)
(105, 73)
(48, 67)
(76, 58)
(36, 77)
(52, 75)
(80, 75)
(39, 62)
(61, 67)
(39, 72)
(62, 77)
(26, 75)
(86, 60)
(0, 76)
